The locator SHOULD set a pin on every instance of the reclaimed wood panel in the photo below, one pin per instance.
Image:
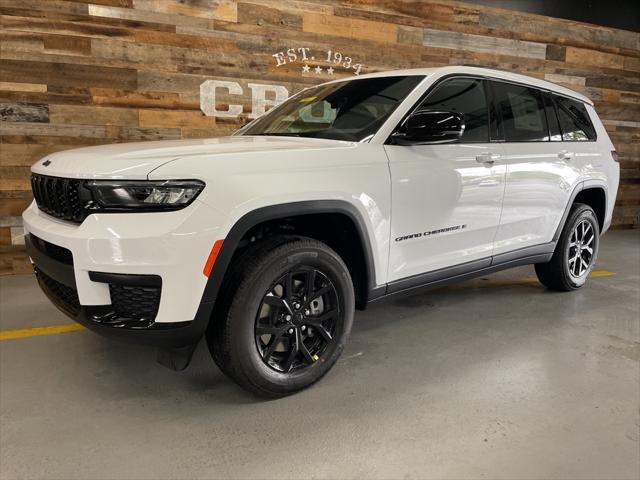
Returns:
(24, 112)
(349, 27)
(89, 115)
(66, 74)
(482, 43)
(85, 72)
(218, 9)
(592, 58)
(559, 31)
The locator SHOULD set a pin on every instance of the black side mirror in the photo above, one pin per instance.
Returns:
(429, 126)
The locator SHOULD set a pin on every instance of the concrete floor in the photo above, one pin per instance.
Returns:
(494, 378)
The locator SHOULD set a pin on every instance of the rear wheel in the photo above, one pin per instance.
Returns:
(576, 251)
(285, 316)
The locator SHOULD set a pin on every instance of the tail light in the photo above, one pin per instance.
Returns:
(614, 155)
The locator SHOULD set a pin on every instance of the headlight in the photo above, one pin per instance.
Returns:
(143, 195)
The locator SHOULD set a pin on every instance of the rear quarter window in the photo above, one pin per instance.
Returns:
(574, 120)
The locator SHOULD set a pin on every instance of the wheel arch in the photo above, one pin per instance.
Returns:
(365, 282)
(596, 197)
(590, 193)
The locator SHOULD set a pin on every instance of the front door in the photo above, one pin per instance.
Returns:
(446, 198)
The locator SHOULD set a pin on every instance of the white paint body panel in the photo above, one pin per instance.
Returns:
(600, 171)
(538, 187)
(173, 245)
(241, 174)
(397, 190)
(309, 169)
(436, 187)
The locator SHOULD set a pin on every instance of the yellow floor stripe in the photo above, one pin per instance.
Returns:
(37, 331)
(74, 327)
(602, 273)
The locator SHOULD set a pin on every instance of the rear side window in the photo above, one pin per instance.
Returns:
(574, 120)
(465, 96)
(523, 112)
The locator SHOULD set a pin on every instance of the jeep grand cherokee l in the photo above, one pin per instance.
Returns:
(351, 191)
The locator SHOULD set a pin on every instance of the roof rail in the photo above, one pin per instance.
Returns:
(566, 92)
(482, 66)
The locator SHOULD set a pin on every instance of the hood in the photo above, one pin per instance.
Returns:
(136, 160)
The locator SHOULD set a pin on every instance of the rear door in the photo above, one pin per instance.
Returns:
(446, 198)
(541, 172)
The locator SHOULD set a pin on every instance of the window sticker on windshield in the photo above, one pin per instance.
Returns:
(308, 99)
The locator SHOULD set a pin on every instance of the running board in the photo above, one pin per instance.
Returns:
(466, 271)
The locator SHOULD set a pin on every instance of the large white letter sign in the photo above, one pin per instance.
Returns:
(208, 98)
(259, 100)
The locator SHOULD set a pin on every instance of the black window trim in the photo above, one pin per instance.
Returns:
(549, 103)
(491, 107)
(494, 115)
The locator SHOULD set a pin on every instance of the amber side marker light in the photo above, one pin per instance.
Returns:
(211, 260)
(614, 155)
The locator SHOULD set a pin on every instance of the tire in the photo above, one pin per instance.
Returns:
(250, 335)
(560, 273)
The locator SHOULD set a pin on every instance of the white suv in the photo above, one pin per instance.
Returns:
(348, 192)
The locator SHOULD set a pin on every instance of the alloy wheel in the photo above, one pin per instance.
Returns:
(297, 320)
(580, 252)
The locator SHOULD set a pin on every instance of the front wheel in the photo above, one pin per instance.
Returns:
(576, 251)
(285, 316)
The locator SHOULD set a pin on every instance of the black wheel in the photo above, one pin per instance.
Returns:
(576, 251)
(285, 316)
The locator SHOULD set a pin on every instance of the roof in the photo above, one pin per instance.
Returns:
(485, 72)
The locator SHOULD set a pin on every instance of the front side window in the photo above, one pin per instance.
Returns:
(351, 110)
(465, 96)
(522, 111)
(574, 120)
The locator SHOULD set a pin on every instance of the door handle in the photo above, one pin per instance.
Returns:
(487, 158)
(565, 155)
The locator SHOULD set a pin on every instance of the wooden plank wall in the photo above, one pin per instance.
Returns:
(76, 73)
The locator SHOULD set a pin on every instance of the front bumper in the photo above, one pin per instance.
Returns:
(136, 276)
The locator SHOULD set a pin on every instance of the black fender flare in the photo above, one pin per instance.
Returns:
(274, 212)
(582, 185)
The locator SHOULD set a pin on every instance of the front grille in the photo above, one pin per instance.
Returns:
(56, 252)
(135, 302)
(64, 297)
(60, 197)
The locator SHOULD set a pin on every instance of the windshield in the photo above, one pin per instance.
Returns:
(350, 110)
